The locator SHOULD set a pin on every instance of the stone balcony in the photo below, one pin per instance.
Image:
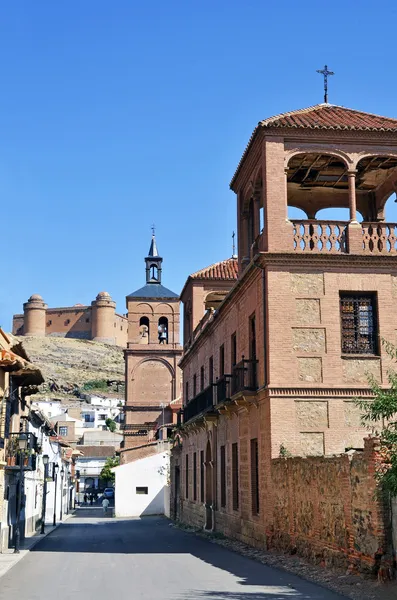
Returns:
(338, 237)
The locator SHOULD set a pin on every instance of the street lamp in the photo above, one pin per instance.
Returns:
(22, 445)
(43, 510)
(62, 476)
(56, 467)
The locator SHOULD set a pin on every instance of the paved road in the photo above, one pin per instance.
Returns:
(92, 557)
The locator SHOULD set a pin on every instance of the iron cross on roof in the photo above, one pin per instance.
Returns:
(325, 73)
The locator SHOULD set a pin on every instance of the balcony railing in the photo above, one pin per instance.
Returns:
(13, 454)
(320, 236)
(223, 387)
(244, 376)
(379, 238)
(200, 403)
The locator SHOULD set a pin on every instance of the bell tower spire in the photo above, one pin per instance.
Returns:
(153, 262)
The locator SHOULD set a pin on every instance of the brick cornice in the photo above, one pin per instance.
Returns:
(313, 260)
(320, 392)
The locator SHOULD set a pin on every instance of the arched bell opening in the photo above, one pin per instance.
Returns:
(144, 330)
(163, 330)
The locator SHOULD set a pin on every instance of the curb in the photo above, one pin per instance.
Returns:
(9, 559)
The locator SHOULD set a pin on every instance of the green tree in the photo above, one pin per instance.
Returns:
(380, 415)
(110, 424)
(107, 475)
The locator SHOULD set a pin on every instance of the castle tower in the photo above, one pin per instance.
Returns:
(153, 351)
(103, 318)
(34, 312)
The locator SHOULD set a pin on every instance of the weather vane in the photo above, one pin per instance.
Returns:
(234, 244)
(153, 228)
(325, 73)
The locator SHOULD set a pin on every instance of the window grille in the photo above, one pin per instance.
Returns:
(254, 477)
(235, 482)
(223, 477)
(359, 327)
(63, 431)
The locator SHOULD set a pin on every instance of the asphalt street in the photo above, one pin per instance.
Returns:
(95, 557)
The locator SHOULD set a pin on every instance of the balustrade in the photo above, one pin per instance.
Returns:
(379, 238)
(320, 236)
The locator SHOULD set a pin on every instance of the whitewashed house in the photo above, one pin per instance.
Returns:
(142, 486)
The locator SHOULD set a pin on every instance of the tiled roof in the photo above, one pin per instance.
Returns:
(225, 269)
(324, 116)
(96, 451)
(331, 116)
(153, 290)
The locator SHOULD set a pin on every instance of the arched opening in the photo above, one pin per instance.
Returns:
(316, 181)
(251, 223)
(376, 181)
(214, 299)
(390, 209)
(336, 214)
(296, 214)
(208, 488)
(163, 330)
(144, 326)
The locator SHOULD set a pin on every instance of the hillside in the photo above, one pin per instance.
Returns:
(69, 365)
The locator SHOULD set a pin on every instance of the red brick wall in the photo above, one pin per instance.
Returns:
(322, 508)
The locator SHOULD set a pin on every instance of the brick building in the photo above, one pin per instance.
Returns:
(98, 322)
(153, 378)
(275, 368)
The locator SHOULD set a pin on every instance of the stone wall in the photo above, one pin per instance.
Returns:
(322, 508)
(326, 509)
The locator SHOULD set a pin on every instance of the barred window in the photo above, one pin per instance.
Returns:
(359, 326)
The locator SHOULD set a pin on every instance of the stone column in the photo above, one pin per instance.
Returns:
(352, 195)
(355, 235)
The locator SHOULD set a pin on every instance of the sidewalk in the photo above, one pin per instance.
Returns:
(8, 559)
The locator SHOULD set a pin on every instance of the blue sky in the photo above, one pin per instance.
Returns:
(114, 116)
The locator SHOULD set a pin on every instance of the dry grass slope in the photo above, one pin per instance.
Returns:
(69, 362)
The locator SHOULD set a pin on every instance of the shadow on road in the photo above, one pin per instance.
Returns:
(90, 532)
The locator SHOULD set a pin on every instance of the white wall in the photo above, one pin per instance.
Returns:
(150, 472)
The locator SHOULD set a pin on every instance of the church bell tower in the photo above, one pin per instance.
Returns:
(153, 378)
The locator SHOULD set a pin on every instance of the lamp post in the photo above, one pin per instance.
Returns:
(56, 467)
(22, 445)
(62, 476)
(44, 506)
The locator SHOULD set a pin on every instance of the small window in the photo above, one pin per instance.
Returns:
(194, 385)
(87, 320)
(359, 324)
(121, 328)
(63, 431)
(141, 490)
(221, 361)
(223, 476)
(195, 476)
(187, 477)
(67, 322)
(202, 378)
(211, 370)
(234, 349)
(115, 325)
(254, 477)
(187, 392)
(235, 482)
(202, 476)
(49, 322)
